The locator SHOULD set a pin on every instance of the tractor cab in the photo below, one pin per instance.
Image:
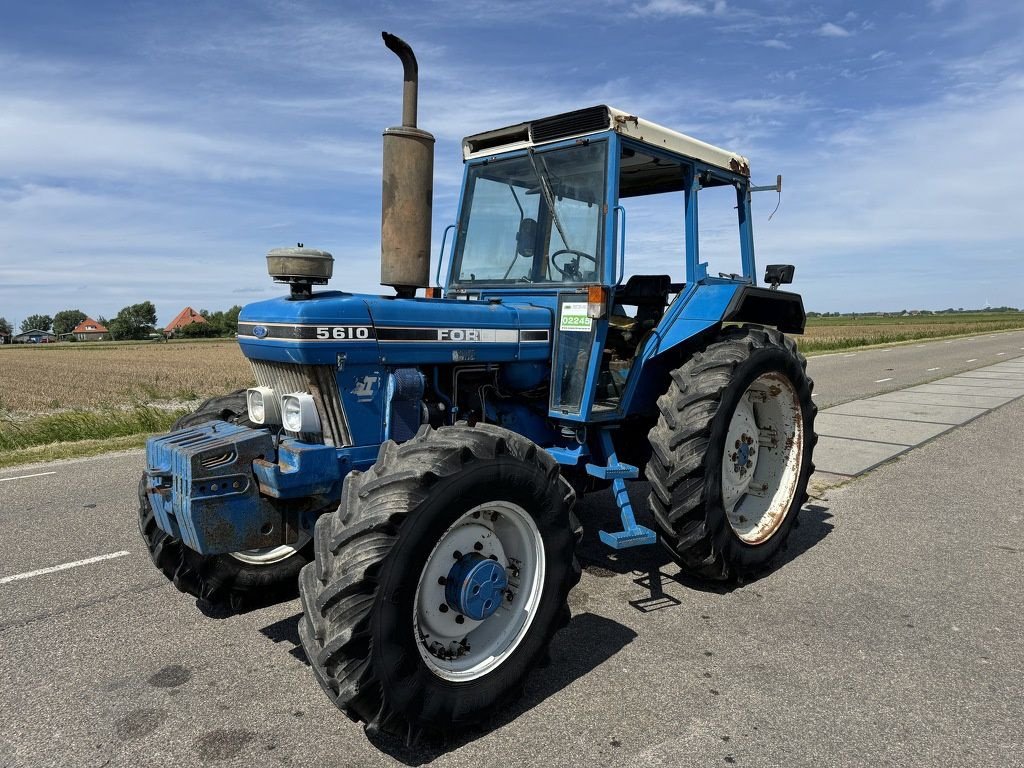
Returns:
(543, 220)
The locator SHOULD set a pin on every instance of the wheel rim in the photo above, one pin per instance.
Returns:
(499, 532)
(762, 458)
(271, 555)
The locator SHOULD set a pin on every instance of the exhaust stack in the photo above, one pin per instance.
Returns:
(407, 198)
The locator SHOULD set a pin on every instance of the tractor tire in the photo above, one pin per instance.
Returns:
(732, 452)
(377, 627)
(237, 580)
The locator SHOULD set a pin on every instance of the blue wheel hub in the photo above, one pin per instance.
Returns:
(475, 586)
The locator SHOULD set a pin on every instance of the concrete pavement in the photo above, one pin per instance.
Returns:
(860, 434)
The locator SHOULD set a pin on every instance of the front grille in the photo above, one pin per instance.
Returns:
(320, 382)
(570, 124)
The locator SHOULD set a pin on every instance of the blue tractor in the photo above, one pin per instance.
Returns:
(413, 460)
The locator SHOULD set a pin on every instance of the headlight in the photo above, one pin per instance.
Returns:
(298, 413)
(263, 406)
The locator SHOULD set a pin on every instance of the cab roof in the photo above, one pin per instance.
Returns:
(597, 120)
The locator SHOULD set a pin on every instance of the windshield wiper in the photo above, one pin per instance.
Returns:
(549, 198)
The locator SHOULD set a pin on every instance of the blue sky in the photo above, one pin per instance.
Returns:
(157, 150)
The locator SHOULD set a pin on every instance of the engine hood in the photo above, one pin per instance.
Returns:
(393, 331)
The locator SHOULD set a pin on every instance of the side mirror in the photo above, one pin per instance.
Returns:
(526, 237)
(779, 274)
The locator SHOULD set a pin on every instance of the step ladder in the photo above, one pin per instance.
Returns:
(632, 534)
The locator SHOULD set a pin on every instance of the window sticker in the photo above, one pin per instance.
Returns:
(574, 317)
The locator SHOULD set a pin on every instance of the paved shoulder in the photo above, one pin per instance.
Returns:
(858, 435)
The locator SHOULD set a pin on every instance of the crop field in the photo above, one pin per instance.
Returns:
(829, 333)
(96, 375)
(73, 399)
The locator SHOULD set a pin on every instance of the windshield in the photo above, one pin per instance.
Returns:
(535, 218)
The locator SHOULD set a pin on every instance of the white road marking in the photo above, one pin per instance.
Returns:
(815, 394)
(1000, 353)
(918, 346)
(22, 477)
(879, 381)
(947, 342)
(973, 360)
(933, 369)
(887, 350)
(854, 354)
(63, 567)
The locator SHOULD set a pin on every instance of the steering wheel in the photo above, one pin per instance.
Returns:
(571, 270)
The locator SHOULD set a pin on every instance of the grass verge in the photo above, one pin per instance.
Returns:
(41, 454)
(75, 434)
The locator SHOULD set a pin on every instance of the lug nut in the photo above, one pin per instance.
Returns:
(460, 619)
(443, 608)
(457, 555)
(478, 546)
(442, 580)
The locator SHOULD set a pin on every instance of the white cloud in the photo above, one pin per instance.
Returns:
(777, 44)
(828, 29)
(880, 209)
(671, 8)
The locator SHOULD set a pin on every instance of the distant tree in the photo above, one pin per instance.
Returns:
(102, 320)
(133, 322)
(217, 324)
(66, 320)
(205, 330)
(5, 327)
(36, 323)
(231, 320)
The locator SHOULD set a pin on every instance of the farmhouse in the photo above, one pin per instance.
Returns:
(35, 337)
(187, 316)
(90, 330)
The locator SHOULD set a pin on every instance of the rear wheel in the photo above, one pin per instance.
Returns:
(440, 580)
(237, 579)
(732, 453)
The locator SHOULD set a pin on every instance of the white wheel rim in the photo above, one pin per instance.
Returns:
(469, 650)
(271, 555)
(762, 459)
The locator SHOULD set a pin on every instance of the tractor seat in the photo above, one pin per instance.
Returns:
(621, 321)
(644, 291)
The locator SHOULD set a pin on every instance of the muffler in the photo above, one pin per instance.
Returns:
(407, 199)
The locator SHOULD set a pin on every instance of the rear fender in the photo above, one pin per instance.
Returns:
(692, 321)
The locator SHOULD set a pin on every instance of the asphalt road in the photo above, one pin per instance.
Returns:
(842, 376)
(888, 635)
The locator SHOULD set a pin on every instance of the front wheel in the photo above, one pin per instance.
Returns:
(731, 453)
(440, 580)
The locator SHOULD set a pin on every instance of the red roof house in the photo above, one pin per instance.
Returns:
(90, 330)
(187, 316)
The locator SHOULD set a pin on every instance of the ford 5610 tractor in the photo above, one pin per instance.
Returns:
(414, 460)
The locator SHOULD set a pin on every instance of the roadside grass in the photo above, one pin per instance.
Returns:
(40, 454)
(70, 427)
